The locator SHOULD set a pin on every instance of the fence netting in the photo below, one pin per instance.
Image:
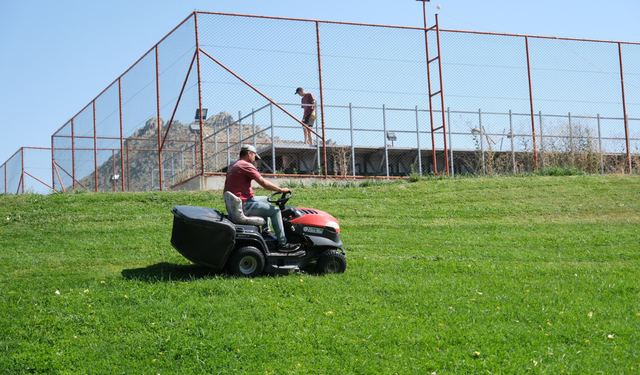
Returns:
(512, 104)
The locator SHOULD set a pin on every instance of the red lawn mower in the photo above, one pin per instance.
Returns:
(208, 237)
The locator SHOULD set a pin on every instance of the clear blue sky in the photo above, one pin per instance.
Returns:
(56, 56)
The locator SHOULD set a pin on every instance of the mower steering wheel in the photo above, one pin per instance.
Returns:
(282, 201)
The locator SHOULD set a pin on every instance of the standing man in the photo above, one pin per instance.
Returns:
(238, 181)
(309, 116)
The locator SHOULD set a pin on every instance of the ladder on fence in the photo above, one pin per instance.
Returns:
(433, 95)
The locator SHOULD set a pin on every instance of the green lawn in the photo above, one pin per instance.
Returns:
(504, 275)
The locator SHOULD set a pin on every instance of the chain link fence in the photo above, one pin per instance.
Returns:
(27, 171)
(513, 104)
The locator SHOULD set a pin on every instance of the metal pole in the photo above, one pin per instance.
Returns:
(53, 172)
(513, 151)
(95, 146)
(453, 172)
(624, 109)
(22, 167)
(121, 133)
(444, 123)
(228, 144)
(173, 172)
(160, 174)
(571, 153)
(128, 166)
(533, 121)
(253, 126)
(542, 150)
(484, 168)
(353, 150)
(73, 156)
(600, 146)
(273, 144)
(418, 142)
(215, 145)
(324, 143)
(384, 137)
(240, 128)
(195, 15)
(426, 43)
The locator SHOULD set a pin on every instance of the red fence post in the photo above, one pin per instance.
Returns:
(195, 15)
(158, 117)
(53, 171)
(533, 119)
(444, 121)
(624, 109)
(121, 134)
(324, 143)
(22, 168)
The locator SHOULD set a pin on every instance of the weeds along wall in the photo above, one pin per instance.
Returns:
(512, 104)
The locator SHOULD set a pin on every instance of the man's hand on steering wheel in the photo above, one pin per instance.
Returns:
(282, 201)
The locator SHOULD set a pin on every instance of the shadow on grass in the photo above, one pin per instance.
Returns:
(170, 272)
(163, 272)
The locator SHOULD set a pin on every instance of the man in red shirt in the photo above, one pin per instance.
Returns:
(309, 116)
(238, 181)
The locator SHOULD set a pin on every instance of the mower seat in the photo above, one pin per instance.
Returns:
(236, 215)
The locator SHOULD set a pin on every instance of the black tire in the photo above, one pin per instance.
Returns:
(246, 262)
(331, 261)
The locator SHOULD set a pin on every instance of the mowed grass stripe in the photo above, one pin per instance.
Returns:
(501, 275)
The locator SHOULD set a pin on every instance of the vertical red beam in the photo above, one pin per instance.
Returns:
(624, 109)
(22, 168)
(53, 171)
(533, 120)
(95, 145)
(121, 134)
(324, 144)
(426, 44)
(195, 15)
(444, 122)
(158, 117)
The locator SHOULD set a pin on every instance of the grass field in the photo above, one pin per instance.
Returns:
(504, 275)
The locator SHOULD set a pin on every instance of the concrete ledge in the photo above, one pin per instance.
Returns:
(217, 182)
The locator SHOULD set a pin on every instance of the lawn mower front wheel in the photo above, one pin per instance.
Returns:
(331, 261)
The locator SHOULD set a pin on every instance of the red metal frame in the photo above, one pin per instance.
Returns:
(178, 101)
(162, 138)
(624, 109)
(432, 94)
(159, 119)
(121, 133)
(533, 120)
(258, 91)
(324, 143)
(444, 122)
(95, 146)
(199, 96)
